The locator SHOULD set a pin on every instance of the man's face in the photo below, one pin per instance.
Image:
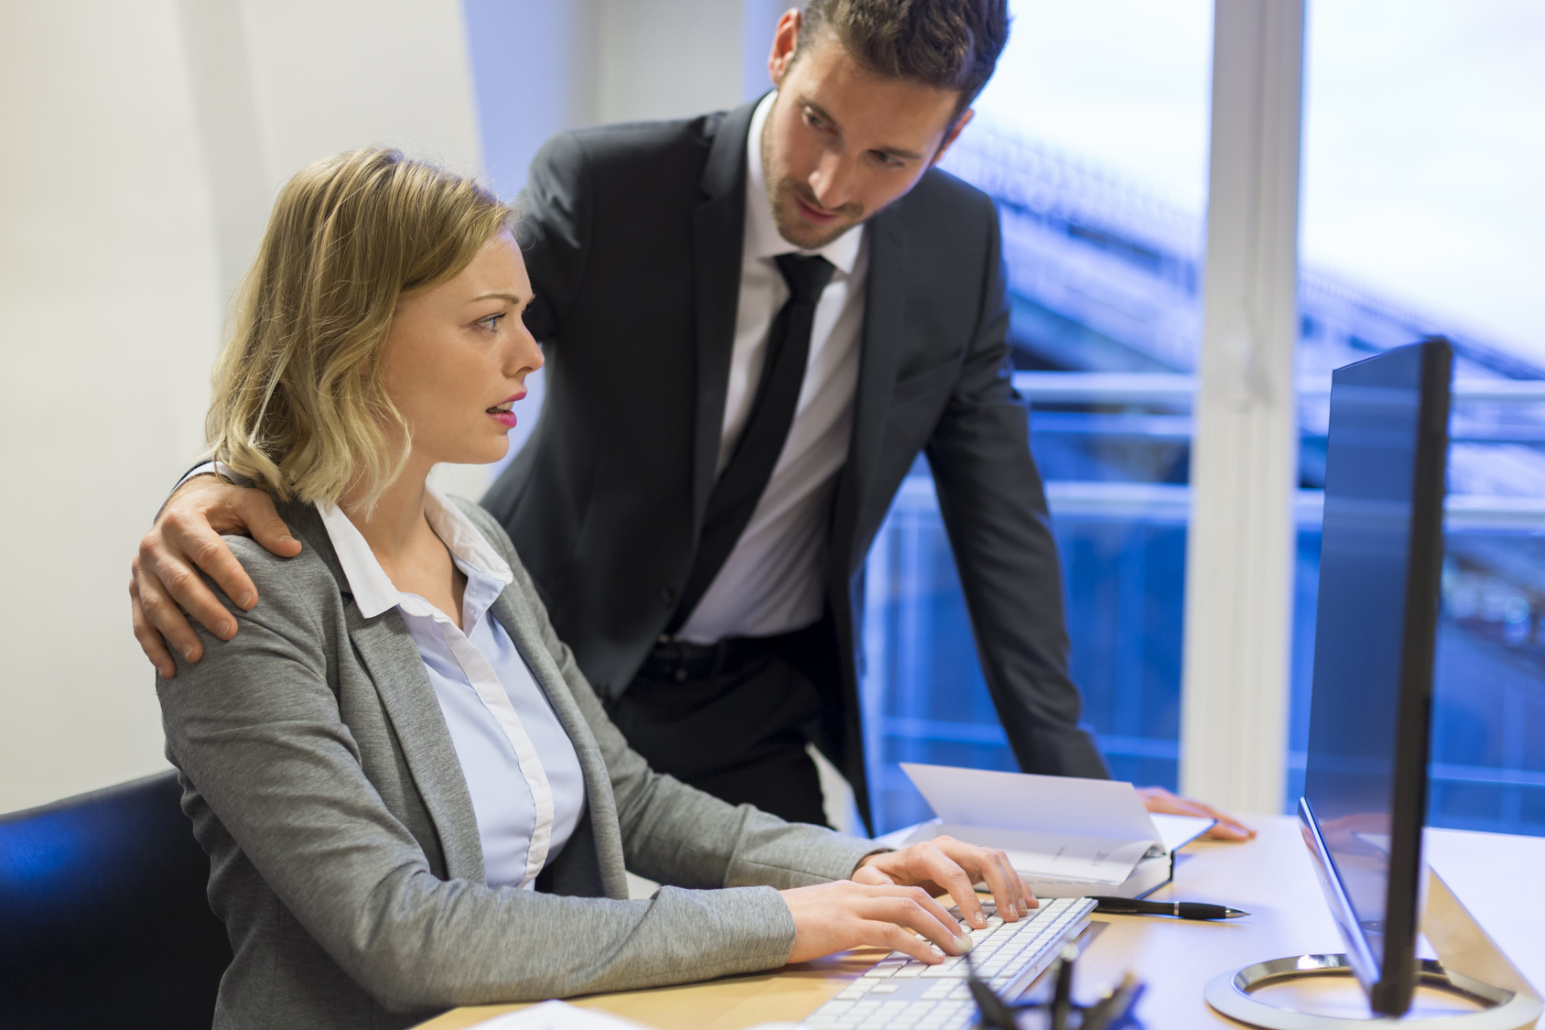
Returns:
(841, 141)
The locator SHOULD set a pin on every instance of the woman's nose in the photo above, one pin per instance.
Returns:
(526, 354)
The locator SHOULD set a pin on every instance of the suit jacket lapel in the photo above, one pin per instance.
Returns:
(394, 664)
(397, 671)
(718, 232)
(884, 321)
(521, 624)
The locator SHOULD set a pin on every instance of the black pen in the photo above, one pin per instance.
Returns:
(1183, 909)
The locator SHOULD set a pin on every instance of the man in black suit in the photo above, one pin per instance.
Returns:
(754, 321)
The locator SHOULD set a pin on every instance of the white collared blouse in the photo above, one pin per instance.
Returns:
(522, 773)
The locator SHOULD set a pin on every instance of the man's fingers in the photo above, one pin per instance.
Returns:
(166, 619)
(1227, 828)
(265, 525)
(206, 549)
(149, 640)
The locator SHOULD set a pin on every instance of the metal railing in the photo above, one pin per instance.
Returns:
(1176, 390)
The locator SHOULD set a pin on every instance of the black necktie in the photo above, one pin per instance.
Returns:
(741, 483)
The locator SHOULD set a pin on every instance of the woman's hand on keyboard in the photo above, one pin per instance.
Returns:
(946, 864)
(830, 917)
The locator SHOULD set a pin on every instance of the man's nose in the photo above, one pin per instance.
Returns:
(832, 181)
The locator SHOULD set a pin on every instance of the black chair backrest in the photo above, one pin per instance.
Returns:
(104, 916)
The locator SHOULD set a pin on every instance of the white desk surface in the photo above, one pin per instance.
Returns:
(1501, 879)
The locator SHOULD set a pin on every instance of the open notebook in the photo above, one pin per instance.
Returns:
(1067, 837)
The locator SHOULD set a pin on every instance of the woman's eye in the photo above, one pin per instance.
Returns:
(491, 323)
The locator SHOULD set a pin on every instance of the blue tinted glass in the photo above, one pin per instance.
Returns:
(1369, 481)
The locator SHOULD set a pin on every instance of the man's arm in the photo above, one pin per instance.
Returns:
(995, 512)
(164, 581)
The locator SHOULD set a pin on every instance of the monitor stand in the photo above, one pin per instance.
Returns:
(1473, 972)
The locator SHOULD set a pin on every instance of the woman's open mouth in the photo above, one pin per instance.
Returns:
(502, 414)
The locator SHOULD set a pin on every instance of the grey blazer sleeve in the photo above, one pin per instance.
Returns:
(671, 832)
(995, 513)
(257, 731)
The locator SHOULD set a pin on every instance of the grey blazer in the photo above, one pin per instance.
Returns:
(344, 854)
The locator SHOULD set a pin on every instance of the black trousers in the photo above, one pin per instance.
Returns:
(732, 719)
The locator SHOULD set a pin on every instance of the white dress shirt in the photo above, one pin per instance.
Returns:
(772, 581)
(527, 788)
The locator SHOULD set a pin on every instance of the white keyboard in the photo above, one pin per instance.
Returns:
(901, 993)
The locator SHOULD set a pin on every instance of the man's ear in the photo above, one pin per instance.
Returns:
(954, 134)
(785, 43)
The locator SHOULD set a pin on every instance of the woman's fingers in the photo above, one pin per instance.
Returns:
(992, 866)
(838, 916)
(955, 866)
(930, 863)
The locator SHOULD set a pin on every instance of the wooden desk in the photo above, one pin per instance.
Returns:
(1501, 879)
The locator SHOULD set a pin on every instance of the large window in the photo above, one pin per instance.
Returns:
(1420, 211)
(1092, 138)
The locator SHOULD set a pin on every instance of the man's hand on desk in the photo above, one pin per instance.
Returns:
(184, 540)
(1157, 799)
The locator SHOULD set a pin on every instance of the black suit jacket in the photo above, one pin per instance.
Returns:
(632, 236)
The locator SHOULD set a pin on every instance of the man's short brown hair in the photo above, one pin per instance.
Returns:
(946, 44)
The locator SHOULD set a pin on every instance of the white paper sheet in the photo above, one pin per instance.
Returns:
(1060, 805)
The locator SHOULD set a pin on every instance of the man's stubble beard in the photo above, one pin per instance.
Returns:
(787, 222)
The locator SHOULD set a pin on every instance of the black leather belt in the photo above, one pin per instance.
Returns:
(681, 661)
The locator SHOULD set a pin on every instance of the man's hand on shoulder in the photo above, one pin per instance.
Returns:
(1157, 799)
(165, 582)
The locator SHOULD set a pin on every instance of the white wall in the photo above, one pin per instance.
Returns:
(108, 314)
(143, 146)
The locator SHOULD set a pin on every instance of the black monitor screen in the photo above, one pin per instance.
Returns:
(1380, 569)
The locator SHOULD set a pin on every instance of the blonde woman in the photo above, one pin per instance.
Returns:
(410, 796)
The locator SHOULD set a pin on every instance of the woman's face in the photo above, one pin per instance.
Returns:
(457, 357)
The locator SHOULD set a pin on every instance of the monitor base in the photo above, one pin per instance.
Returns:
(1231, 994)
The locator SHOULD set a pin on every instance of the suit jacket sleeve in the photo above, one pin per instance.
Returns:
(256, 730)
(554, 232)
(674, 833)
(995, 513)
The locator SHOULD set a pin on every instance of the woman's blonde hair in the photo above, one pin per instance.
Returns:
(300, 406)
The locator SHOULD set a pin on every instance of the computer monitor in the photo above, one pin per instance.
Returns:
(1381, 558)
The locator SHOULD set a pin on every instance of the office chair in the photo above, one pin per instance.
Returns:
(104, 919)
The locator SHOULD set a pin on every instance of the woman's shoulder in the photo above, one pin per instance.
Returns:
(305, 583)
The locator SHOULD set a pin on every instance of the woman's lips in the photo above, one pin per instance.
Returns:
(501, 412)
